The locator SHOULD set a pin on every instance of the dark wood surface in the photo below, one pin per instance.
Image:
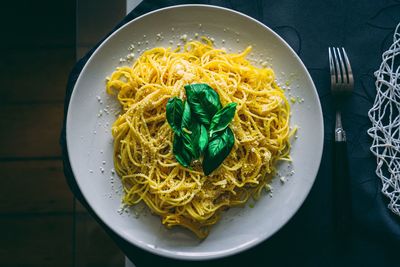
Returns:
(38, 226)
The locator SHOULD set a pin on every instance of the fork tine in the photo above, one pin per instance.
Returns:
(337, 67)
(349, 71)
(344, 72)
(332, 67)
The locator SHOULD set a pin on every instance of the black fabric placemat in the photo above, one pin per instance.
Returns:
(365, 29)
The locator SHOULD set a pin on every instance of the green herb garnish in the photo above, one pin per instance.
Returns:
(203, 139)
(182, 155)
(200, 126)
(217, 150)
(174, 114)
(222, 118)
(204, 101)
(190, 130)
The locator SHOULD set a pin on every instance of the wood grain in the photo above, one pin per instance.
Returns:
(34, 187)
(38, 226)
(36, 241)
(35, 75)
(30, 130)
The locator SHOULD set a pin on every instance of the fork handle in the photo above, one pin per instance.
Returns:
(341, 193)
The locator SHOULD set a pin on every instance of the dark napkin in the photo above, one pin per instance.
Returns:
(365, 29)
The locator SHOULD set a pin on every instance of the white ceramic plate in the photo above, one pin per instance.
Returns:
(91, 114)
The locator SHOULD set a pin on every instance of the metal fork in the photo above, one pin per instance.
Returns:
(342, 84)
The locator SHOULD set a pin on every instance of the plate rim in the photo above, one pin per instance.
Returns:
(222, 253)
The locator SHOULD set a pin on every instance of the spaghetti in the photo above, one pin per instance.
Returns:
(143, 140)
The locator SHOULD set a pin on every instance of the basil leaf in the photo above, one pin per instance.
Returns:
(203, 138)
(186, 118)
(222, 118)
(190, 130)
(217, 150)
(174, 114)
(196, 142)
(203, 100)
(183, 156)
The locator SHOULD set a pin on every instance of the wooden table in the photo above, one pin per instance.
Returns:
(40, 222)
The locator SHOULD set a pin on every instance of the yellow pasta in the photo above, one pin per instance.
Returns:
(143, 154)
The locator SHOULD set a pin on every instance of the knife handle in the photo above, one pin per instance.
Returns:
(341, 193)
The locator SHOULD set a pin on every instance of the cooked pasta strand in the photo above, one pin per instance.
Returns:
(143, 154)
